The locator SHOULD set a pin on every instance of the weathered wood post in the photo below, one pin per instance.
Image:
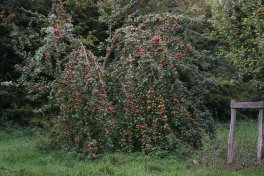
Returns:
(231, 141)
(260, 136)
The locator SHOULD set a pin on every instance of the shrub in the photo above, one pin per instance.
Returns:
(146, 94)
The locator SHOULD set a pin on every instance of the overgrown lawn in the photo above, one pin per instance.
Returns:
(19, 156)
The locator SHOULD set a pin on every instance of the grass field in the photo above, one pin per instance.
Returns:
(20, 157)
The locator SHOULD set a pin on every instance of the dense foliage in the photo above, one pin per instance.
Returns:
(15, 25)
(242, 28)
(146, 94)
(236, 32)
(128, 76)
(239, 29)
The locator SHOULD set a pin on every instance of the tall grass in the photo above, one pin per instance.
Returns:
(20, 157)
(214, 152)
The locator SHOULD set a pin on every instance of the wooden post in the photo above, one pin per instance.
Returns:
(230, 153)
(259, 146)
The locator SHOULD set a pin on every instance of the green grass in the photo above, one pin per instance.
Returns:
(20, 157)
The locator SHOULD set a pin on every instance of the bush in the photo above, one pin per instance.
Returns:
(146, 94)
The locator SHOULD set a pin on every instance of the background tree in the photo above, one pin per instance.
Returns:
(239, 28)
(14, 22)
(238, 62)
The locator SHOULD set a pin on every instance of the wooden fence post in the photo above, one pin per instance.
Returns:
(245, 105)
(230, 153)
(260, 131)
